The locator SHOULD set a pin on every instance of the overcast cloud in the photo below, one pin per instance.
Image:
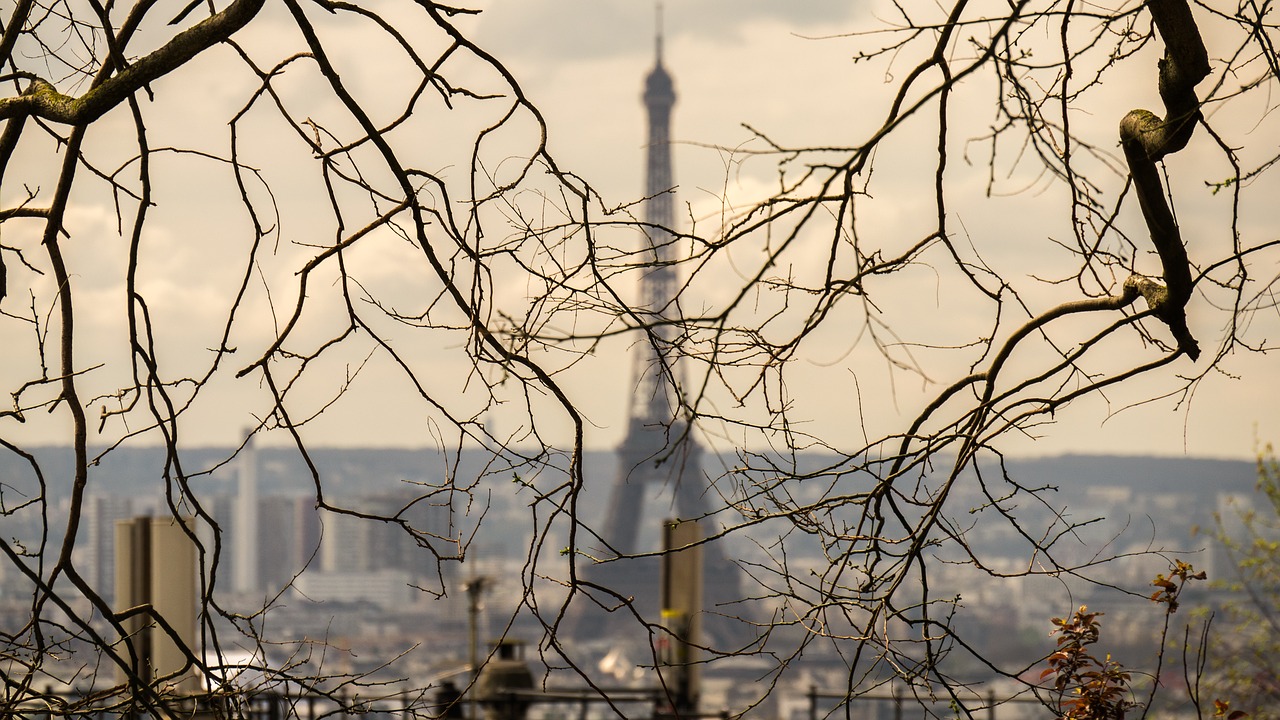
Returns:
(583, 63)
(569, 30)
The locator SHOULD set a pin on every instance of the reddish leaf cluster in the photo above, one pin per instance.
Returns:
(1171, 587)
(1222, 709)
(1088, 688)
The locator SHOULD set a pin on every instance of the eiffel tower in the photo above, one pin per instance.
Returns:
(658, 459)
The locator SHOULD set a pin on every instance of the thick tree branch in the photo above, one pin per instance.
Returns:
(1147, 139)
(43, 100)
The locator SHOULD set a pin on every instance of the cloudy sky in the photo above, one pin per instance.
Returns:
(787, 69)
(784, 68)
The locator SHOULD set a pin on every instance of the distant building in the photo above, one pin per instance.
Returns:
(95, 546)
(383, 588)
(288, 538)
(1230, 511)
(246, 545)
(351, 543)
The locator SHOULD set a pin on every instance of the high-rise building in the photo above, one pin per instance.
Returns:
(288, 538)
(347, 543)
(245, 526)
(95, 548)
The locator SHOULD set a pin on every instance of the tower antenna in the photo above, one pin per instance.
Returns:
(657, 40)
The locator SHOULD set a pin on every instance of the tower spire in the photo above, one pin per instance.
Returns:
(657, 38)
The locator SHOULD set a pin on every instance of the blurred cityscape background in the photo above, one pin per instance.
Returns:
(367, 591)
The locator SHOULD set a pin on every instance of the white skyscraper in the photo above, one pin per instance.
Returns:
(244, 526)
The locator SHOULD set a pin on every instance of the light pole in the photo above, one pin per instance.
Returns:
(474, 588)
